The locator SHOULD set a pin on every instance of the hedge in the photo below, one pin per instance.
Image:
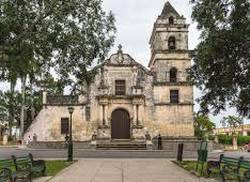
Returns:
(242, 140)
(227, 139)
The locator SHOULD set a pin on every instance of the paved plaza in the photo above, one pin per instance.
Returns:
(124, 170)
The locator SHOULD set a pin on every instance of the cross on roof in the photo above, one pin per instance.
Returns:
(119, 48)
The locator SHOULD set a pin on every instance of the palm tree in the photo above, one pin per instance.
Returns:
(232, 122)
(203, 125)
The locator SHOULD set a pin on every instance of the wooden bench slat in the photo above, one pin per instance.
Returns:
(236, 168)
(245, 164)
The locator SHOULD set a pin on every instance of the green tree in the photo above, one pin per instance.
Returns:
(68, 36)
(24, 46)
(4, 113)
(232, 122)
(8, 73)
(203, 125)
(5, 103)
(88, 36)
(222, 59)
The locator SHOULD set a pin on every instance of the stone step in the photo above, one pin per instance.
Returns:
(122, 145)
(133, 154)
(119, 148)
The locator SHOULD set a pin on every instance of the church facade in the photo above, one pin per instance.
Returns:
(127, 100)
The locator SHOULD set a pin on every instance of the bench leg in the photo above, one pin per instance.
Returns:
(44, 171)
(202, 169)
(223, 179)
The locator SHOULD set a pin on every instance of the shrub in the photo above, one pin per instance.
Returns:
(211, 137)
(225, 139)
(242, 140)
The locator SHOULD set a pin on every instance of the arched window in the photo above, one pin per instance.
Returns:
(173, 75)
(171, 43)
(171, 20)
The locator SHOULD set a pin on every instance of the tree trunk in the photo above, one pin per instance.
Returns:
(23, 82)
(88, 94)
(11, 108)
(235, 144)
(32, 108)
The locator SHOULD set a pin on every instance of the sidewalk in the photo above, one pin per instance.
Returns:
(9, 146)
(125, 170)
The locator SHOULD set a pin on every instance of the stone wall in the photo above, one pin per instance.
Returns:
(162, 94)
(171, 143)
(160, 42)
(47, 125)
(162, 68)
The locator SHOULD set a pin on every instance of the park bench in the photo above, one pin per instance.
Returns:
(6, 173)
(23, 167)
(229, 168)
(38, 166)
(26, 167)
(236, 169)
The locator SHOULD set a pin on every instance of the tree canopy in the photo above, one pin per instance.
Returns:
(38, 37)
(202, 125)
(222, 59)
(232, 122)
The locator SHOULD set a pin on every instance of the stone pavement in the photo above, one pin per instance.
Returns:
(42, 179)
(124, 170)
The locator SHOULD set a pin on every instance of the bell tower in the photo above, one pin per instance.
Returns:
(173, 94)
(169, 45)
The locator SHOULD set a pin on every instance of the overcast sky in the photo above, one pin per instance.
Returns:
(134, 22)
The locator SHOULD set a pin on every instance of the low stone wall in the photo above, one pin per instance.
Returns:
(171, 143)
(59, 145)
(191, 144)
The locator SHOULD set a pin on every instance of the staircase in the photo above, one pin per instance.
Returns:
(121, 145)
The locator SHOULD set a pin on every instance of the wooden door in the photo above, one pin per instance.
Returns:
(120, 124)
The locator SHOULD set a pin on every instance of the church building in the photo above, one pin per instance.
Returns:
(127, 100)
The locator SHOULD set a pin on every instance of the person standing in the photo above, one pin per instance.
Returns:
(159, 142)
(66, 140)
(35, 137)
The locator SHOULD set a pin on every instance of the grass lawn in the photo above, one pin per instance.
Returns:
(191, 166)
(53, 167)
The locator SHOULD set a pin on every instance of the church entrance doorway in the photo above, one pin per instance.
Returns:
(120, 124)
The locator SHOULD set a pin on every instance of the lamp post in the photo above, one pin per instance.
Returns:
(70, 145)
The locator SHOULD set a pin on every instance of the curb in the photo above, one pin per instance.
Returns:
(8, 146)
(43, 179)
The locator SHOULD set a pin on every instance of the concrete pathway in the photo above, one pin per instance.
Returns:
(43, 179)
(124, 170)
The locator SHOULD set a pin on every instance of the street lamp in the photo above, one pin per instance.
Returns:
(70, 144)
